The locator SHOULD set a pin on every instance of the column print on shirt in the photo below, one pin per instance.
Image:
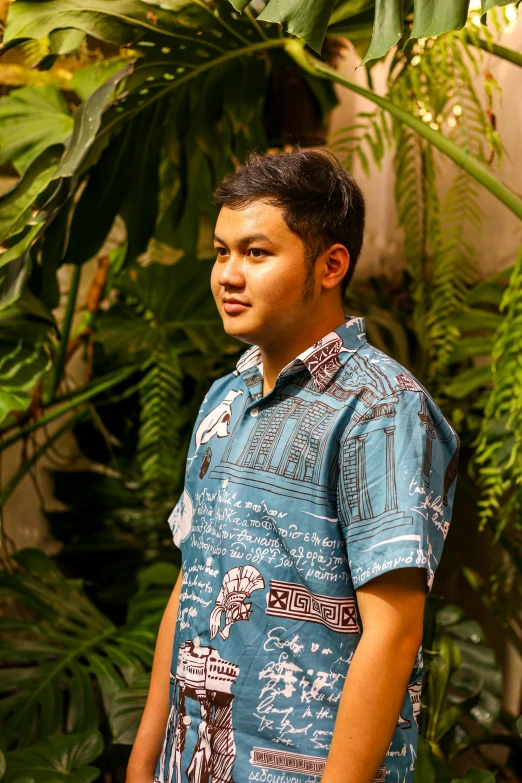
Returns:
(397, 468)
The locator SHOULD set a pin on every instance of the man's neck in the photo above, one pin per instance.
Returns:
(282, 352)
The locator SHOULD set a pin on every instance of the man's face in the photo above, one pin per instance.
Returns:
(259, 275)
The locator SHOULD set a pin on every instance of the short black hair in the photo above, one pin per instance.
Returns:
(322, 203)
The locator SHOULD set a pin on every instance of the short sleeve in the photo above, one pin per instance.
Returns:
(398, 463)
(180, 519)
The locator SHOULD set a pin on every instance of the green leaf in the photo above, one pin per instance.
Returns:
(127, 709)
(56, 759)
(70, 656)
(387, 28)
(15, 262)
(66, 40)
(24, 358)
(433, 17)
(87, 120)
(119, 23)
(476, 776)
(31, 120)
(468, 381)
(16, 203)
(471, 347)
(87, 80)
(101, 198)
(306, 20)
(140, 204)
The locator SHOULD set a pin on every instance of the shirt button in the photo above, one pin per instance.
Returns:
(254, 412)
(197, 641)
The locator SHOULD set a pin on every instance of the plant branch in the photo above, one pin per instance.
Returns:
(76, 398)
(27, 465)
(59, 361)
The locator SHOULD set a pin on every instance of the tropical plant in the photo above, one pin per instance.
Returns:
(64, 663)
(136, 138)
(55, 759)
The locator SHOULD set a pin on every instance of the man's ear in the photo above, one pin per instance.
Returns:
(336, 263)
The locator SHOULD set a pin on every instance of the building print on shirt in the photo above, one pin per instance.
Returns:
(216, 421)
(287, 442)
(238, 584)
(202, 676)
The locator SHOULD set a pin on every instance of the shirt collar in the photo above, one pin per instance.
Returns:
(323, 359)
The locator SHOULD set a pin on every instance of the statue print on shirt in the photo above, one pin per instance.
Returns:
(216, 421)
(200, 767)
(203, 676)
(238, 584)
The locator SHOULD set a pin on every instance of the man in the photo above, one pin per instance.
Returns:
(318, 494)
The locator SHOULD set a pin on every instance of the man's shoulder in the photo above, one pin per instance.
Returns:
(385, 378)
(220, 386)
(387, 375)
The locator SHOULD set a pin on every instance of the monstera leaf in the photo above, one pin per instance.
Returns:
(56, 759)
(430, 768)
(62, 666)
(44, 190)
(32, 119)
(381, 20)
(147, 606)
(462, 680)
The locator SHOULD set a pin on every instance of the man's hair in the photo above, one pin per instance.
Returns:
(321, 202)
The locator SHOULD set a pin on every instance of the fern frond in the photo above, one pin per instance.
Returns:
(499, 446)
(161, 392)
(416, 199)
(454, 269)
(370, 134)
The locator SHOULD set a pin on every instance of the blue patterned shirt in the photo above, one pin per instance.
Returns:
(344, 471)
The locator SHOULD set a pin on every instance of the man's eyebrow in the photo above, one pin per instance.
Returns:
(247, 240)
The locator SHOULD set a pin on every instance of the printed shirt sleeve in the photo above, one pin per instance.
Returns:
(397, 473)
(180, 518)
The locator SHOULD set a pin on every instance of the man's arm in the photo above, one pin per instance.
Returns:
(391, 608)
(149, 739)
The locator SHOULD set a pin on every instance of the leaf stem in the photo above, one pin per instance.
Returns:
(56, 372)
(503, 52)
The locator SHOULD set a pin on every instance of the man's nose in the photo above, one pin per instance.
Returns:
(231, 273)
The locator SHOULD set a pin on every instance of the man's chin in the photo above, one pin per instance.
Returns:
(240, 327)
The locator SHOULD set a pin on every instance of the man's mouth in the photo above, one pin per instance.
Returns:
(235, 306)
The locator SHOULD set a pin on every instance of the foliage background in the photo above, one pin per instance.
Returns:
(127, 447)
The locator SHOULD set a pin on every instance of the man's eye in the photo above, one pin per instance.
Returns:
(218, 249)
(256, 250)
